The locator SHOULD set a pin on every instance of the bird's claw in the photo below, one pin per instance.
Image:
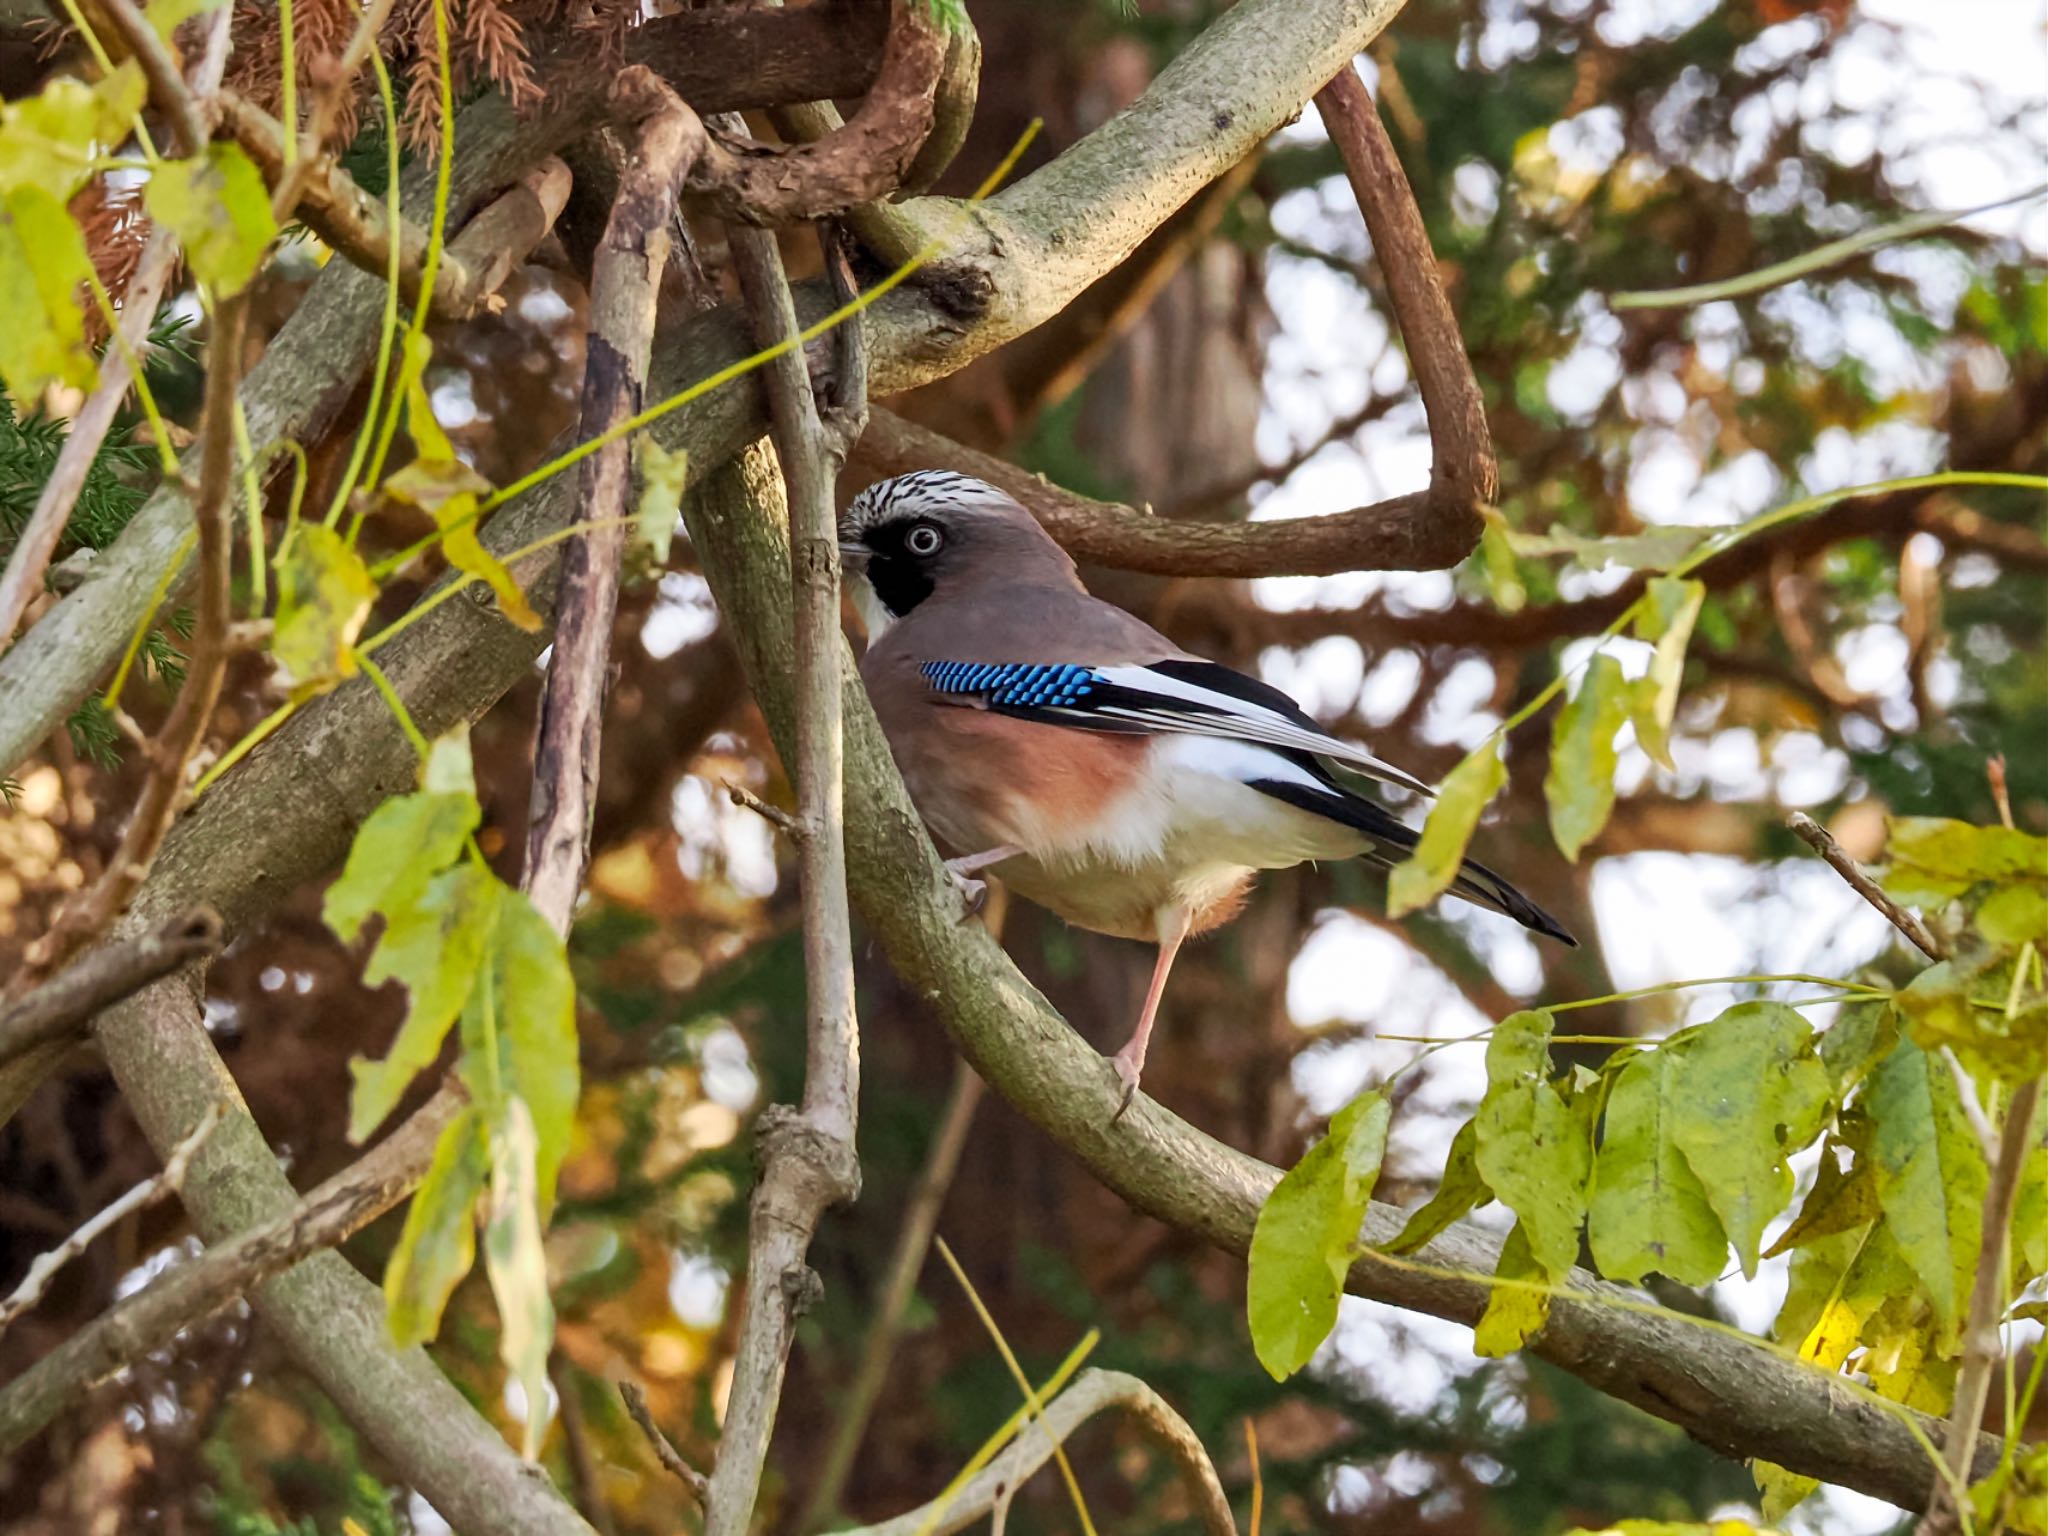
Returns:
(973, 893)
(1127, 1074)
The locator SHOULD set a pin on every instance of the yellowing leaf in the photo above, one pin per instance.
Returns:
(1654, 549)
(1675, 1528)
(662, 477)
(442, 485)
(1648, 1211)
(324, 592)
(1460, 1190)
(1307, 1233)
(43, 272)
(1748, 1089)
(1782, 1491)
(435, 946)
(1580, 785)
(1427, 873)
(451, 766)
(48, 140)
(405, 842)
(1670, 609)
(217, 206)
(438, 1243)
(1841, 1200)
(1933, 860)
(518, 1267)
(166, 16)
(1939, 1008)
(1513, 1312)
(533, 999)
(1531, 1149)
(1930, 1173)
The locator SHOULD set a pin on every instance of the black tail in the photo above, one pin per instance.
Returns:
(1392, 840)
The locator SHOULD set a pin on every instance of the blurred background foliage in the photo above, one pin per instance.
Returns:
(1862, 661)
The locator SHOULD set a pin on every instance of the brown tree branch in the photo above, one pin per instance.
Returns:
(625, 285)
(63, 1007)
(864, 160)
(808, 1159)
(1091, 1393)
(1822, 842)
(665, 1451)
(188, 1293)
(1464, 475)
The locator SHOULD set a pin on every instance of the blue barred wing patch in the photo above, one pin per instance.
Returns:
(1014, 684)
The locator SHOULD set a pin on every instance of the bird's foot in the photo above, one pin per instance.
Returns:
(1127, 1067)
(973, 892)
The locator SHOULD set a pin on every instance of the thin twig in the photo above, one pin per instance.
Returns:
(135, 38)
(328, 98)
(148, 1192)
(625, 284)
(188, 1293)
(664, 1448)
(90, 915)
(808, 1161)
(1982, 1345)
(585, 1476)
(1091, 1393)
(1818, 838)
(1216, 498)
(774, 815)
(65, 1005)
(1994, 773)
(1463, 475)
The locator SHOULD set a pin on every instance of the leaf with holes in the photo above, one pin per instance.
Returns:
(1428, 872)
(435, 945)
(1531, 1149)
(1670, 608)
(1647, 1211)
(517, 1264)
(44, 270)
(438, 1243)
(217, 206)
(1307, 1233)
(1930, 1172)
(324, 592)
(1580, 785)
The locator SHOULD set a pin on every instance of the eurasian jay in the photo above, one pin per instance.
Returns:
(1102, 771)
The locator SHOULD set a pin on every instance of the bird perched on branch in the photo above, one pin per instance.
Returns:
(1099, 769)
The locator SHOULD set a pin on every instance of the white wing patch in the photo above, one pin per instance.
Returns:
(1224, 715)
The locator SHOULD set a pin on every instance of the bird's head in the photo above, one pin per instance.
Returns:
(933, 532)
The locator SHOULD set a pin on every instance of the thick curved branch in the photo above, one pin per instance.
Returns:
(61, 1009)
(865, 159)
(1093, 1392)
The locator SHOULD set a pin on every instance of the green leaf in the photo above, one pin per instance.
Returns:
(1861, 1036)
(1580, 785)
(1648, 1211)
(435, 946)
(1497, 560)
(442, 485)
(324, 592)
(518, 1266)
(2015, 915)
(1675, 1528)
(1460, 1191)
(48, 140)
(1654, 549)
(1747, 1090)
(451, 767)
(1513, 1312)
(662, 477)
(438, 1244)
(405, 842)
(1841, 1200)
(1930, 1173)
(2030, 1213)
(1940, 1008)
(217, 206)
(43, 271)
(1827, 1297)
(533, 998)
(1782, 1491)
(1530, 1149)
(1934, 859)
(1427, 873)
(1670, 609)
(1307, 1233)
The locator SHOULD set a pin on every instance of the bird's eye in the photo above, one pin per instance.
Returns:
(924, 539)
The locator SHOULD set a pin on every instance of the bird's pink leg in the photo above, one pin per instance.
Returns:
(1130, 1061)
(972, 891)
